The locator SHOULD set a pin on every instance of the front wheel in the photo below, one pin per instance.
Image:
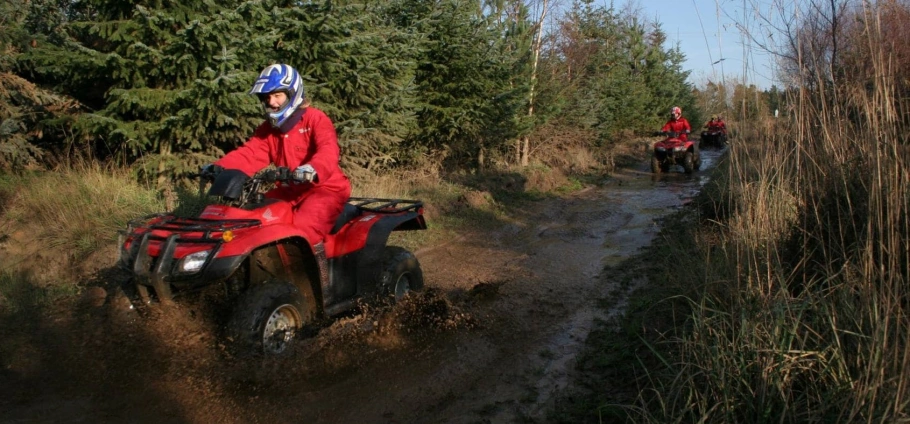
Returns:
(267, 317)
(689, 162)
(400, 275)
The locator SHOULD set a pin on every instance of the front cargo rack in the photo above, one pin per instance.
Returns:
(206, 227)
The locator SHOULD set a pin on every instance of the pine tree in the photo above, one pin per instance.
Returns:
(27, 111)
(167, 82)
(358, 67)
(162, 81)
(470, 96)
(612, 74)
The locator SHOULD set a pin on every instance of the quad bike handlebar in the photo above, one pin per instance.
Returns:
(672, 134)
(236, 188)
(280, 174)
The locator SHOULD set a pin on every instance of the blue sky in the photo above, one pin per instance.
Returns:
(711, 30)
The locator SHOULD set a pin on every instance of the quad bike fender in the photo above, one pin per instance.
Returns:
(371, 229)
(157, 267)
(284, 253)
(375, 244)
(295, 260)
(354, 252)
(247, 241)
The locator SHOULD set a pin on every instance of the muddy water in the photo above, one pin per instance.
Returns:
(565, 250)
(630, 208)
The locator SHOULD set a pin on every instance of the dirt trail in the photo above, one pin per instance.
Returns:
(494, 340)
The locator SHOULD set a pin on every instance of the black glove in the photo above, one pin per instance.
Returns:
(210, 170)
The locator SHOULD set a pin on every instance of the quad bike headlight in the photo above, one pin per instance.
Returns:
(661, 149)
(193, 262)
(679, 148)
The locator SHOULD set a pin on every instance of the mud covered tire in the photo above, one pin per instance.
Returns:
(655, 165)
(400, 275)
(689, 162)
(267, 318)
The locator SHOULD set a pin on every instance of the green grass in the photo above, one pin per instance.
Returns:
(76, 211)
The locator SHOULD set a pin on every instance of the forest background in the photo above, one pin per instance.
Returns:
(160, 87)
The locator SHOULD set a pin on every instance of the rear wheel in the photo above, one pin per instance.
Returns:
(267, 317)
(400, 275)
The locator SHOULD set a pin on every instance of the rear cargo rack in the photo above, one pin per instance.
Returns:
(378, 205)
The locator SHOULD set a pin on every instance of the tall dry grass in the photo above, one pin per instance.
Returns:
(805, 314)
(75, 211)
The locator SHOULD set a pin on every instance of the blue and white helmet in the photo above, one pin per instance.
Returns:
(280, 77)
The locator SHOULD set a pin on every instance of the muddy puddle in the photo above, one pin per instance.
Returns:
(596, 230)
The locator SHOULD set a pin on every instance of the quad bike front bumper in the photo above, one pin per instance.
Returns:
(670, 156)
(162, 273)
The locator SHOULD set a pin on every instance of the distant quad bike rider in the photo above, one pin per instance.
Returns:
(716, 124)
(716, 132)
(302, 138)
(677, 124)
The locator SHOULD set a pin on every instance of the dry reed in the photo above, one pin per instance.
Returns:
(806, 314)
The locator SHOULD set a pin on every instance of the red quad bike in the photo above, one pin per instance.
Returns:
(713, 137)
(273, 280)
(674, 151)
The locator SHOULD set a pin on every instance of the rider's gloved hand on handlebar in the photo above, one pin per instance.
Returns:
(305, 173)
(210, 169)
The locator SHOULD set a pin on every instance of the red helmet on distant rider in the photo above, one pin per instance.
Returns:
(675, 112)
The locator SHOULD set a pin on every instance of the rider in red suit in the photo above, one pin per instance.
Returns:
(299, 137)
(677, 124)
(716, 124)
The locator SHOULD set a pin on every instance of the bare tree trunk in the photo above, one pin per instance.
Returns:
(163, 187)
(518, 144)
(164, 151)
(523, 146)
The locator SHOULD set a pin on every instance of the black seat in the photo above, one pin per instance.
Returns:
(347, 214)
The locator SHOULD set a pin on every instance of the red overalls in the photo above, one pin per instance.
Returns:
(680, 125)
(312, 140)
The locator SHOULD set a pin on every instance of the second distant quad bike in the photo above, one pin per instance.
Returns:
(272, 278)
(713, 138)
(673, 150)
